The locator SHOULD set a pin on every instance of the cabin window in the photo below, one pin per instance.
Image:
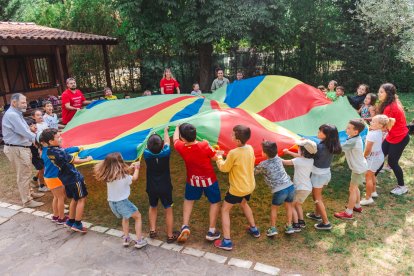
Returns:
(39, 72)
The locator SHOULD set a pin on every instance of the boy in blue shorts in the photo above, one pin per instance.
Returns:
(159, 187)
(279, 181)
(201, 178)
(71, 178)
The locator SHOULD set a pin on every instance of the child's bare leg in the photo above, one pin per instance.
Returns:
(79, 208)
(225, 219)
(357, 196)
(187, 209)
(169, 221)
(352, 196)
(317, 211)
(60, 194)
(152, 214)
(289, 212)
(294, 213)
(273, 215)
(138, 224)
(247, 212)
(72, 209)
(55, 204)
(214, 210)
(299, 210)
(125, 226)
(40, 175)
(317, 197)
(369, 180)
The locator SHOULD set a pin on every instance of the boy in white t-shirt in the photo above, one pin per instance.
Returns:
(303, 163)
(374, 155)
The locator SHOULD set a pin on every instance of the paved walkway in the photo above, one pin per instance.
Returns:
(31, 245)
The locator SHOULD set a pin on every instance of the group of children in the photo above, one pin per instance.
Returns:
(311, 164)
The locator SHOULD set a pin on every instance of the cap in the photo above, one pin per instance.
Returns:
(309, 145)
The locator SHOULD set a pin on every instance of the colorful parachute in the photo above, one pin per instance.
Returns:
(276, 108)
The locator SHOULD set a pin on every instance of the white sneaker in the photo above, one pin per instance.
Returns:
(374, 195)
(399, 190)
(140, 243)
(43, 189)
(368, 201)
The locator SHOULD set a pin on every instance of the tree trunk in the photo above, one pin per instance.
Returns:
(205, 52)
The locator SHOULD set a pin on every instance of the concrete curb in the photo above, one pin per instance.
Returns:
(246, 264)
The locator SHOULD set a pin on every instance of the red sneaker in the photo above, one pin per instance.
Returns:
(343, 215)
(358, 210)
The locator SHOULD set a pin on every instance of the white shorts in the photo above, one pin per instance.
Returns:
(375, 162)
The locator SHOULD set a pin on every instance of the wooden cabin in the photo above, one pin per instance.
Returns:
(33, 59)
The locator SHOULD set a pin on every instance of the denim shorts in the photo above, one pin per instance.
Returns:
(285, 195)
(123, 209)
(212, 192)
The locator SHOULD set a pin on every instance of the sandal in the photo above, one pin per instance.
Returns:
(153, 234)
(174, 237)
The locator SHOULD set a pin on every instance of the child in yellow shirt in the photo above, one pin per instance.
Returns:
(240, 166)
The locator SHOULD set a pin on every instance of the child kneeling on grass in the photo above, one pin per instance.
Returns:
(279, 181)
(303, 164)
(71, 178)
(374, 155)
(115, 172)
(240, 166)
(159, 187)
(353, 149)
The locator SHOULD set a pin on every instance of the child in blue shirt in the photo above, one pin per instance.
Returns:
(71, 178)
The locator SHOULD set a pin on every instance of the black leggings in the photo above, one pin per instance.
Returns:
(394, 152)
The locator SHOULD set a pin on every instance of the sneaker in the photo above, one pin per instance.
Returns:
(343, 215)
(174, 237)
(35, 178)
(185, 234)
(289, 229)
(313, 216)
(78, 227)
(69, 224)
(213, 236)
(224, 244)
(55, 219)
(37, 195)
(358, 210)
(271, 231)
(323, 226)
(302, 223)
(254, 231)
(399, 190)
(43, 189)
(33, 204)
(62, 221)
(374, 194)
(126, 240)
(368, 201)
(140, 243)
(296, 227)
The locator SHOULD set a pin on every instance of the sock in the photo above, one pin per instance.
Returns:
(41, 185)
(357, 205)
(72, 221)
(78, 222)
(349, 211)
(226, 240)
(212, 230)
(301, 221)
(253, 228)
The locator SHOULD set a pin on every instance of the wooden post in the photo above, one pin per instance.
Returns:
(60, 69)
(3, 73)
(106, 63)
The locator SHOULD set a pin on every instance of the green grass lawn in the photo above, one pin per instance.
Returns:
(378, 241)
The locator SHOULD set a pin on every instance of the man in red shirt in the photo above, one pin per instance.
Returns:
(72, 101)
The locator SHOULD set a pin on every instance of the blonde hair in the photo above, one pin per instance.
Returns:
(112, 168)
(383, 120)
(167, 70)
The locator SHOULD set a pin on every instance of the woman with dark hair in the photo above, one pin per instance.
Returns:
(397, 138)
